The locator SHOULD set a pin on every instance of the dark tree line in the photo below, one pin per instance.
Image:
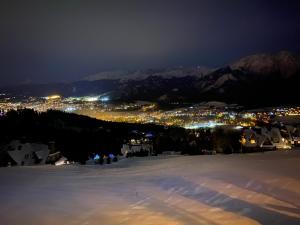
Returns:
(78, 137)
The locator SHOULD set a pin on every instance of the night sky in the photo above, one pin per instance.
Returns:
(54, 41)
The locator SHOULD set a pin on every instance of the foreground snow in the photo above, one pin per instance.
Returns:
(223, 189)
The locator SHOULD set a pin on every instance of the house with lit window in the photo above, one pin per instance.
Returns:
(261, 138)
(137, 147)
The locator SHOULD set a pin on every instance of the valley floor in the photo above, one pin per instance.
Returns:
(261, 188)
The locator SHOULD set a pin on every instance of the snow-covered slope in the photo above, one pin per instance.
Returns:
(143, 74)
(219, 82)
(179, 190)
(254, 80)
(284, 63)
(262, 79)
(109, 75)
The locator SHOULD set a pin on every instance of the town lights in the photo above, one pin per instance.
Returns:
(91, 99)
(104, 99)
(53, 97)
(243, 140)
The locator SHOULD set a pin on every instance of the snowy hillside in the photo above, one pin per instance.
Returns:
(180, 190)
(274, 77)
(143, 74)
(233, 84)
(284, 63)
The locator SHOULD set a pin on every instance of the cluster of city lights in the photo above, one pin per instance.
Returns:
(190, 117)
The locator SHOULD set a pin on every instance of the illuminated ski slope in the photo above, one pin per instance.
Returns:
(223, 189)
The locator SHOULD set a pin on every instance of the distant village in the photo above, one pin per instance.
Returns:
(207, 128)
(190, 116)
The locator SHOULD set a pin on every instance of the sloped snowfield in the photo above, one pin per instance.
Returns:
(261, 188)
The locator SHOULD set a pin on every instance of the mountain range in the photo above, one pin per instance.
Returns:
(260, 79)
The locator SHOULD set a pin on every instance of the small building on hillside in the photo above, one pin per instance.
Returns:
(137, 147)
(261, 138)
(138, 144)
(295, 134)
(24, 154)
(281, 138)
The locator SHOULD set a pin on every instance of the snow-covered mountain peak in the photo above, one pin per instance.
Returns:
(284, 63)
(124, 75)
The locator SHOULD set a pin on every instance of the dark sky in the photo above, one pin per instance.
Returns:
(47, 41)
